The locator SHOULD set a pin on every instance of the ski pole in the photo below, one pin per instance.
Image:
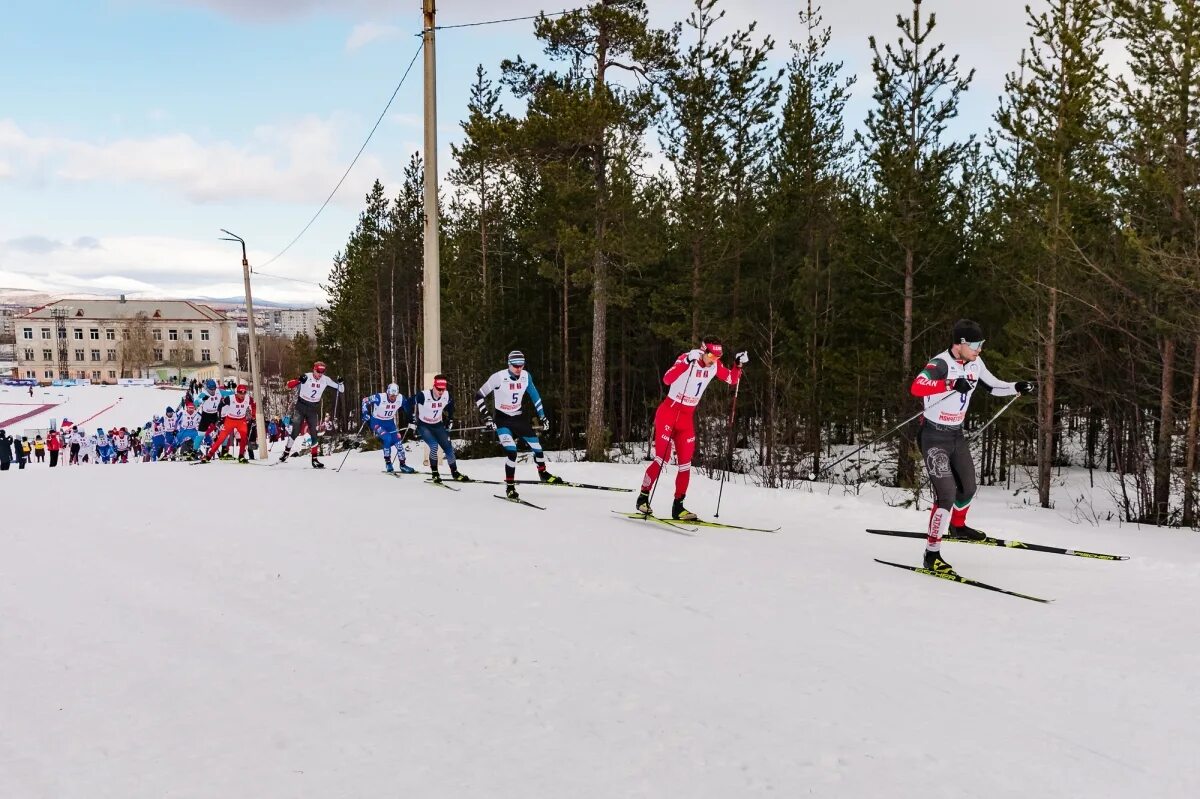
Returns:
(878, 438)
(995, 416)
(732, 419)
(347, 455)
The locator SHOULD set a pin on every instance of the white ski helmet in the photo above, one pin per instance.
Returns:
(393, 390)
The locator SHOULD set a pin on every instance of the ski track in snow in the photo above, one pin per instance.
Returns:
(283, 632)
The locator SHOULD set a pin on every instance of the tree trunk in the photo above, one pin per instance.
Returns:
(1166, 429)
(1189, 472)
(596, 443)
(696, 259)
(905, 472)
(1046, 402)
(565, 399)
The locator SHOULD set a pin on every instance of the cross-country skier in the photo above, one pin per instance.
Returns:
(674, 422)
(309, 388)
(158, 441)
(940, 436)
(432, 417)
(209, 401)
(380, 410)
(170, 426)
(103, 446)
(187, 436)
(508, 388)
(237, 411)
(122, 441)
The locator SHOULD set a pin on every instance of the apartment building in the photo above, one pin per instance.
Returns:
(103, 340)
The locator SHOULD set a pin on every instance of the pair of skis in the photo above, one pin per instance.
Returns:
(557, 484)
(989, 541)
(691, 525)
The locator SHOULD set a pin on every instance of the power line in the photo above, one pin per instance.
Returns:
(281, 277)
(507, 19)
(352, 163)
(375, 127)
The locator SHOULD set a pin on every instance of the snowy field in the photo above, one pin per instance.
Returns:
(276, 631)
(88, 406)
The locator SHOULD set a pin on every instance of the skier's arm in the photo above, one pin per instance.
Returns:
(731, 376)
(448, 414)
(997, 387)
(932, 380)
(366, 406)
(680, 366)
(295, 381)
(537, 400)
(481, 397)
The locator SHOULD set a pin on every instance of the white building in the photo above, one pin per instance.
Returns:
(290, 321)
(99, 340)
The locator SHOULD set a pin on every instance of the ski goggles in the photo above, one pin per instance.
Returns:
(516, 364)
(975, 345)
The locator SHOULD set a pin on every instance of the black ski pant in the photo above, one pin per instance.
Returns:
(948, 461)
(305, 413)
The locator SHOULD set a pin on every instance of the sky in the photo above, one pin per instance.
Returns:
(131, 131)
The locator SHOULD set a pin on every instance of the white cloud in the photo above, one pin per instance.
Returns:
(150, 265)
(296, 162)
(6, 170)
(275, 10)
(367, 32)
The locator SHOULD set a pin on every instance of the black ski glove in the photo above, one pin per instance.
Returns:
(1025, 387)
(962, 385)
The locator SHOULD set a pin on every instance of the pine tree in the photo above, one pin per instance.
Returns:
(1055, 117)
(694, 142)
(590, 110)
(911, 168)
(808, 177)
(1159, 176)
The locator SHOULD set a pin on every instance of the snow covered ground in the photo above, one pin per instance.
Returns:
(88, 406)
(276, 631)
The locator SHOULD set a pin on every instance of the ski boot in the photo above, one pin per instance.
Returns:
(510, 491)
(316, 464)
(284, 456)
(388, 467)
(643, 503)
(549, 479)
(680, 513)
(406, 469)
(459, 477)
(243, 459)
(935, 564)
(435, 478)
(965, 533)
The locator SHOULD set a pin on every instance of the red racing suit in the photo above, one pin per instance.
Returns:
(236, 415)
(674, 421)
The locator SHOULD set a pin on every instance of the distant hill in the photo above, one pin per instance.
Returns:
(11, 296)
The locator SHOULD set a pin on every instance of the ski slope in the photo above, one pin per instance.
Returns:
(88, 406)
(277, 631)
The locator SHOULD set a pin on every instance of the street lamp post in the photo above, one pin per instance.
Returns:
(256, 387)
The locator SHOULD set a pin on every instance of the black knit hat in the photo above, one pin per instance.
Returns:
(966, 330)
